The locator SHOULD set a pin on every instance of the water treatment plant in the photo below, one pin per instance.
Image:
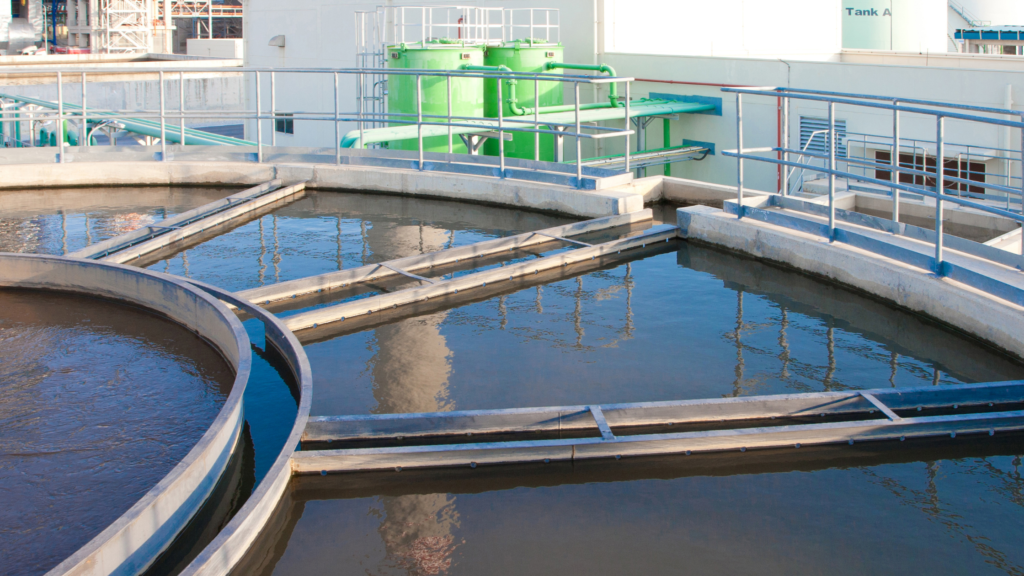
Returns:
(589, 287)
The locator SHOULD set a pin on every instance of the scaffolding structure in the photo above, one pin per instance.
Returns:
(141, 26)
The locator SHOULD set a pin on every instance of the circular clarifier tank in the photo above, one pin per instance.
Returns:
(100, 400)
(120, 411)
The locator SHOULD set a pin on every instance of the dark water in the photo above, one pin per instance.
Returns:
(59, 221)
(98, 401)
(328, 231)
(939, 507)
(690, 322)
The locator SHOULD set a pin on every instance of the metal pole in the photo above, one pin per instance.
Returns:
(60, 116)
(181, 105)
(579, 148)
(895, 162)
(831, 167)
(419, 117)
(939, 186)
(785, 144)
(1021, 179)
(739, 151)
(273, 108)
(337, 122)
(627, 127)
(83, 138)
(448, 80)
(501, 129)
(259, 125)
(163, 119)
(536, 118)
(361, 100)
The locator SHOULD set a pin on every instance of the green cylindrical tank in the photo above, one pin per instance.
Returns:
(522, 56)
(467, 93)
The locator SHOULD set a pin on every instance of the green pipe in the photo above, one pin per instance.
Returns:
(513, 102)
(666, 132)
(613, 91)
(141, 125)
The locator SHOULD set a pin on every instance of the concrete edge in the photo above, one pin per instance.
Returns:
(231, 544)
(487, 190)
(991, 319)
(133, 541)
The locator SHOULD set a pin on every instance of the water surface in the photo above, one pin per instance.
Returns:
(329, 231)
(688, 322)
(917, 507)
(58, 221)
(98, 402)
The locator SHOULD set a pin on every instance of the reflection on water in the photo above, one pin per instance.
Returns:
(98, 402)
(691, 322)
(916, 507)
(329, 231)
(59, 221)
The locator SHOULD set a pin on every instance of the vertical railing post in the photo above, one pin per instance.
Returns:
(501, 128)
(1021, 177)
(895, 162)
(579, 147)
(337, 122)
(259, 123)
(536, 118)
(83, 138)
(181, 105)
(163, 118)
(60, 117)
(273, 108)
(785, 145)
(448, 82)
(419, 117)
(940, 181)
(831, 174)
(362, 98)
(739, 154)
(627, 128)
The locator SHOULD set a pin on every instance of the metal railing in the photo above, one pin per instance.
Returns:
(166, 122)
(940, 112)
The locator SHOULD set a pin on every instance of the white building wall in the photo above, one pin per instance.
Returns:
(320, 33)
(806, 29)
(703, 75)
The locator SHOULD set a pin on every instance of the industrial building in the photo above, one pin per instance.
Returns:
(117, 26)
(594, 287)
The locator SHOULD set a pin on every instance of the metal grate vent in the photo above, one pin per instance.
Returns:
(815, 131)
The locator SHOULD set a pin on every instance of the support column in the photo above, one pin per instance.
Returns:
(168, 29)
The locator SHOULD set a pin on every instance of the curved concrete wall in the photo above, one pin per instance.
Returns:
(984, 316)
(133, 541)
(221, 555)
(508, 192)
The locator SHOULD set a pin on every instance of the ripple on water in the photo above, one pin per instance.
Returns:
(98, 401)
